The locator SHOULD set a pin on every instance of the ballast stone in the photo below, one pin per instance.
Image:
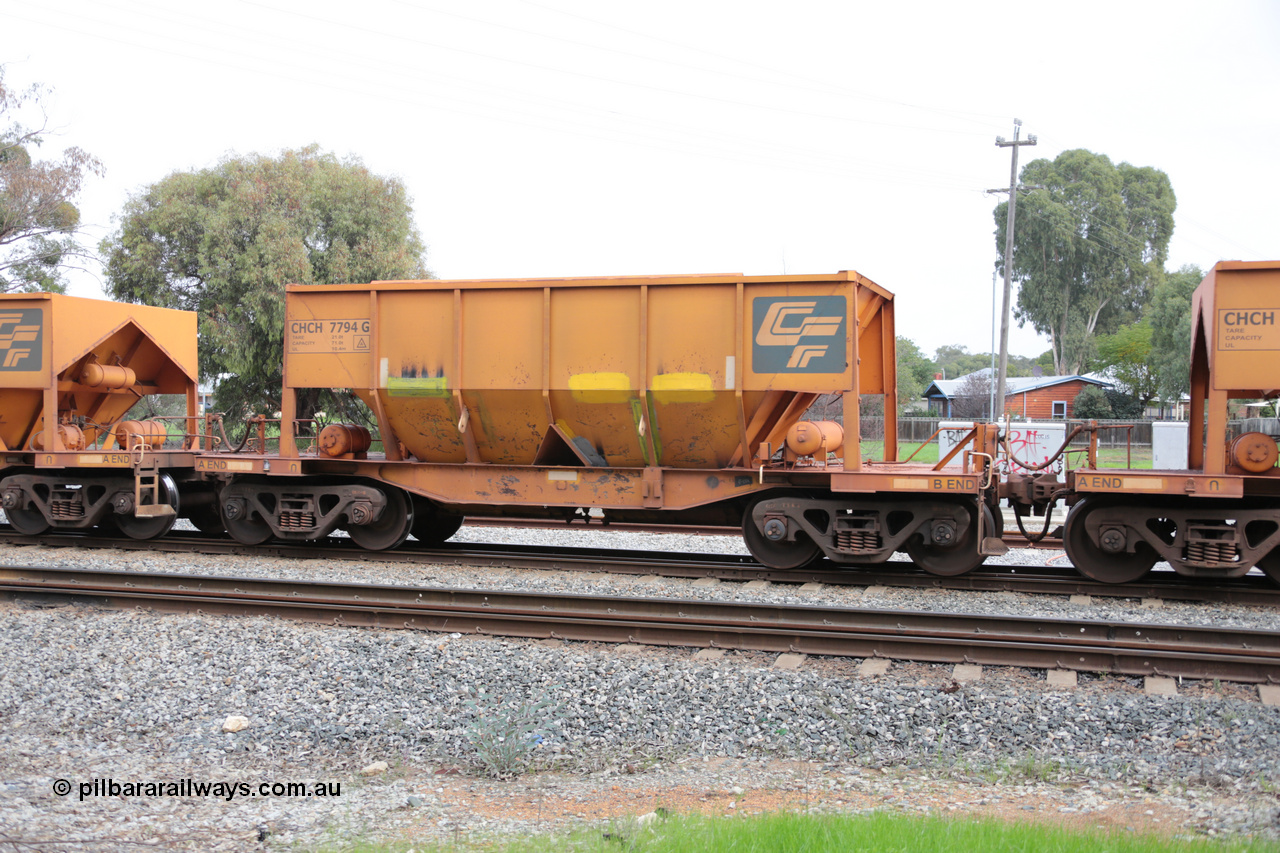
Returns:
(235, 723)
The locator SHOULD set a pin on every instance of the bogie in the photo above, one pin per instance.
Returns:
(790, 531)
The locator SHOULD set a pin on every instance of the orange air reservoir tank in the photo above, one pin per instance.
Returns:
(815, 438)
(148, 434)
(337, 440)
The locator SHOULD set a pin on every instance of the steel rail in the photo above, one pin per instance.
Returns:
(1119, 647)
(1252, 590)
(1012, 538)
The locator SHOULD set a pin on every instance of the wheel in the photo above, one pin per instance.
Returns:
(1093, 562)
(28, 522)
(390, 529)
(149, 528)
(431, 527)
(247, 529)
(995, 521)
(957, 559)
(783, 555)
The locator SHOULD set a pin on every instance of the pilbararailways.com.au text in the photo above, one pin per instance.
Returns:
(190, 788)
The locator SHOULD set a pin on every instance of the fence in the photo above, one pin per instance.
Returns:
(1113, 434)
(918, 430)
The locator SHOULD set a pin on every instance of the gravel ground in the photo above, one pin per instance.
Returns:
(610, 731)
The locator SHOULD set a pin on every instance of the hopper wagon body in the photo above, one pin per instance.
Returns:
(659, 399)
(1221, 516)
(70, 371)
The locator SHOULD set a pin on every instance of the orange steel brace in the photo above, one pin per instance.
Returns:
(546, 355)
(849, 398)
(969, 436)
(648, 447)
(740, 371)
(890, 368)
(390, 444)
(464, 416)
(288, 408)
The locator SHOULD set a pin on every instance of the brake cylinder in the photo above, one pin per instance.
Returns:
(71, 436)
(1255, 452)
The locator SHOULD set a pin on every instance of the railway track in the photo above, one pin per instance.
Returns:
(1012, 537)
(1253, 589)
(1123, 648)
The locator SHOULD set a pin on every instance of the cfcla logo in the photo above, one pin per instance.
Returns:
(785, 329)
(20, 339)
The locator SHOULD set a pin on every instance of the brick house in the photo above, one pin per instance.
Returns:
(1031, 397)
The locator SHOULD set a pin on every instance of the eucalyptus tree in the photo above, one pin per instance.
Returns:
(39, 221)
(1170, 316)
(1090, 245)
(223, 242)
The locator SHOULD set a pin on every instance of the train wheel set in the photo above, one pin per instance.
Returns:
(676, 400)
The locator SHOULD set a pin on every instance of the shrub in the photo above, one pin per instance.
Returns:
(1124, 405)
(506, 733)
(1092, 403)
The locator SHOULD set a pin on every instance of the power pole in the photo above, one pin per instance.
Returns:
(1008, 255)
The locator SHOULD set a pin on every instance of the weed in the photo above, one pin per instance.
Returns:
(1037, 769)
(506, 733)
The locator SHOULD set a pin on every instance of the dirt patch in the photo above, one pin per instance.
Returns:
(726, 787)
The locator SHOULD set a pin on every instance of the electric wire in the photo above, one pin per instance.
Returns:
(841, 165)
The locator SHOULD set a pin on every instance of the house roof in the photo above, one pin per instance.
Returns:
(948, 388)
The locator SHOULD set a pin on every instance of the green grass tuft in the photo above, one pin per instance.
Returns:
(877, 832)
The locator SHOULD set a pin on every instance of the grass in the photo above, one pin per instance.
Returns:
(1108, 457)
(880, 832)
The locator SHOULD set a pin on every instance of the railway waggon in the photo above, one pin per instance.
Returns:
(676, 400)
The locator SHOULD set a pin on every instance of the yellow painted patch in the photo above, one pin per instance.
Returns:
(683, 388)
(912, 483)
(601, 387)
(421, 386)
(1143, 484)
(105, 460)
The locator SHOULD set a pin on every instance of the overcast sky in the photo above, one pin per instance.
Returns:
(566, 137)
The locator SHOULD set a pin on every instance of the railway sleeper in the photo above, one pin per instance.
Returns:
(866, 531)
(1213, 541)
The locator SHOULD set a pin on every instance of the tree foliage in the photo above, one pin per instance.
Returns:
(1170, 317)
(915, 372)
(39, 222)
(1123, 405)
(224, 241)
(1091, 403)
(955, 360)
(1090, 244)
(1126, 356)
